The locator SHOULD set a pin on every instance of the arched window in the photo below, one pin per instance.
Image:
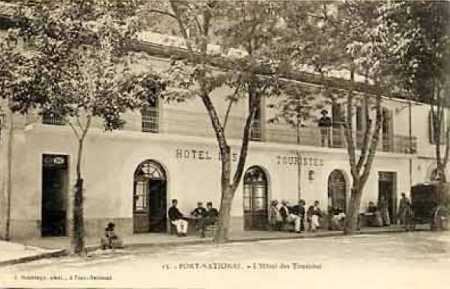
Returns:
(255, 199)
(149, 198)
(337, 190)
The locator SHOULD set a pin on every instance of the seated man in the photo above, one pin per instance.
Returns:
(199, 213)
(176, 218)
(373, 216)
(110, 240)
(337, 218)
(314, 214)
(299, 210)
(210, 218)
(289, 217)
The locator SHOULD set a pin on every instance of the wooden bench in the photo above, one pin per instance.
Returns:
(211, 230)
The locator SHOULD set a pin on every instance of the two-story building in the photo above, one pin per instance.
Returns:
(169, 151)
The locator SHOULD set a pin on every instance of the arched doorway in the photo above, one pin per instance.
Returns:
(337, 190)
(255, 199)
(149, 198)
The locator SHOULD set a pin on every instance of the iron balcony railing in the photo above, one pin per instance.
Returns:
(189, 123)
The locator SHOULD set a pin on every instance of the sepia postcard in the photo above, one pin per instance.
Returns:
(224, 144)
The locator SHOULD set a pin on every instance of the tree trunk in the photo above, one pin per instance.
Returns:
(78, 222)
(223, 222)
(299, 175)
(299, 157)
(351, 220)
(7, 185)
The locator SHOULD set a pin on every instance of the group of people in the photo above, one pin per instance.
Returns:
(202, 216)
(282, 213)
(378, 216)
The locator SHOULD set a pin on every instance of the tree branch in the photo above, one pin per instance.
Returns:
(163, 13)
(74, 130)
(365, 144)
(232, 100)
(374, 142)
(181, 25)
(348, 131)
(215, 120)
(245, 139)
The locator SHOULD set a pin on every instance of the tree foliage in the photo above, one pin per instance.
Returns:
(79, 68)
(245, 28)
(421, 59)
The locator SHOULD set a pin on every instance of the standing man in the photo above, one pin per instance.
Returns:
(403, 207)
(325, 126)
(405, 211)
(275, 217)
(176, 218)
(384, 211)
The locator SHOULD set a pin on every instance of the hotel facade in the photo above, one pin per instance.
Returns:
(169, 151)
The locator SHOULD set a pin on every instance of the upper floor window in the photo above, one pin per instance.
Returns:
(359, 118)
(387, 129)
(432, 134)
(52, 118)
(256, 129)
(337, 114)
(150, 117)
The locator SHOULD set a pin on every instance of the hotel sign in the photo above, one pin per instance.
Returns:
(201, 154)
(54, 161)
(304, 160)
(285, 160)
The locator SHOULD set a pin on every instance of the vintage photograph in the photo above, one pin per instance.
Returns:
(224, 144)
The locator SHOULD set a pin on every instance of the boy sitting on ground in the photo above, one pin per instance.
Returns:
(110, 240)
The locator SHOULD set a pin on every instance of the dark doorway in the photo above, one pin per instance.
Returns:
(54, 195)
(387, 188)
(255, 199)
(337, 190)
(150, 198)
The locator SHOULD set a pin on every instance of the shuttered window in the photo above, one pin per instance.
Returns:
(432, 135)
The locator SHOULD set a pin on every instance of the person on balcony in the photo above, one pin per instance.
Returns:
(325, 127)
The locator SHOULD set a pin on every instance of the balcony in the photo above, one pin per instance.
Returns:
(195, 124)
(52, 119)
(188, 123)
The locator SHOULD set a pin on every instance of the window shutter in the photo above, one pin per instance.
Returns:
(430, 127)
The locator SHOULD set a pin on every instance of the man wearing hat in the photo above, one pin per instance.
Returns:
(325, 125)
